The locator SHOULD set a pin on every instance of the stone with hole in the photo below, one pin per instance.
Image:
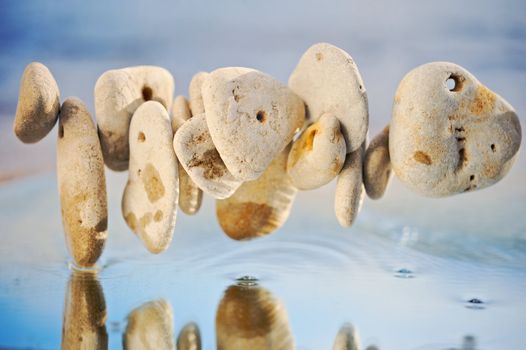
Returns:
(328, 80)
(261, 206)
(118, 93)
(377, 165)
(149, 203)
(317, 156)
(38, 104)
(449, 133)
(195, 95)
(251, 118)
(81, 183)
(150, 327)
(190, 195)
(201, 161)
(349, 194)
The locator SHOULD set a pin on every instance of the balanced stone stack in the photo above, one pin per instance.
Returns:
(252, 143)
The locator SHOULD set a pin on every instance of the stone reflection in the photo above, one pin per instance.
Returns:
(249, 317)
(150, 327)
(84, 313)
(348, 339)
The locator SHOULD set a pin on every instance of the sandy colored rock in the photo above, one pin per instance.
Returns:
(150, 327)
(190, 195)
(81, 183)
(201, 161)
(261, 206)
(84, 314)
(317, 156)
(445, 139)
(377, 165)
(249, 317)
(189, 338)
(194, 92)
(251, 117)
(350, 193)
(38, 104)
(118, 93)
(328, 80)
(149, 203)
(347, 339)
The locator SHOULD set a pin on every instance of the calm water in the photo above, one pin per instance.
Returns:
(403, 275)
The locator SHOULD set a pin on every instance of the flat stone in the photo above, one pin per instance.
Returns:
(118, 94)
(261, 206)
(149, 203)
(328, 80)
(251, 117)
(377, 165)
(201, 161)
(81, 183)
(38, 104)
(317, 156)
(447, 139)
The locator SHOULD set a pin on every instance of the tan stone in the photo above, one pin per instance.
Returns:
(118, 93)
(189, 338)
(377, 165)
(38, 104)
(81, 183)
(347, 339)
(194, 92)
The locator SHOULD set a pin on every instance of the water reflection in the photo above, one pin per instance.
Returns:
(84, 313)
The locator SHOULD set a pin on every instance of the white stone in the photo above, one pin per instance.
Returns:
(195, 95)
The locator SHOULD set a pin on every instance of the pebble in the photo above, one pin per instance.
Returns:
(190, 195)
(81, 183)
(194, 92)
(251, 117)
(84, 313)
(445, 139)
(377, 165)
(261, 206)
(149, 203)
(252, 318)
(189, 338)
(201, 161)
(349, 194)
(317, 156)
(38, 104)
(347, 338)
(328, 80)
(118, 93)
(150, 327)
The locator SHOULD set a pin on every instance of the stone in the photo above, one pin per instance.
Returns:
(38, 104)
(250, 317)
(149, 203)
(201, 161)
(349, 194)
(251, 117)
(317, 156)
(328, 80)
(189, 338)
(190, 195)
(261, 206)
(81, 183)
(150, 327)
(346, 339)
(448, 139)
(84, 313)
(377, 165)
(194, 92)
(118, 93)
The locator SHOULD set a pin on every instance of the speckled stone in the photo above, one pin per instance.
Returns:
(445, 139)
(328, 80)
(118, 93)
(149, 203)
(201, 161)
(81, 183)
(317, 156)
(251, 117)
(261, 206)
(38, 104)
(377, 165)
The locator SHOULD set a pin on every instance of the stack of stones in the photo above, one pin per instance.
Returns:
(251, 143)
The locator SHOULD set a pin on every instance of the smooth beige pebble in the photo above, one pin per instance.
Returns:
(377, 165)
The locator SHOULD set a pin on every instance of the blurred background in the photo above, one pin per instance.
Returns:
(460, 247)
